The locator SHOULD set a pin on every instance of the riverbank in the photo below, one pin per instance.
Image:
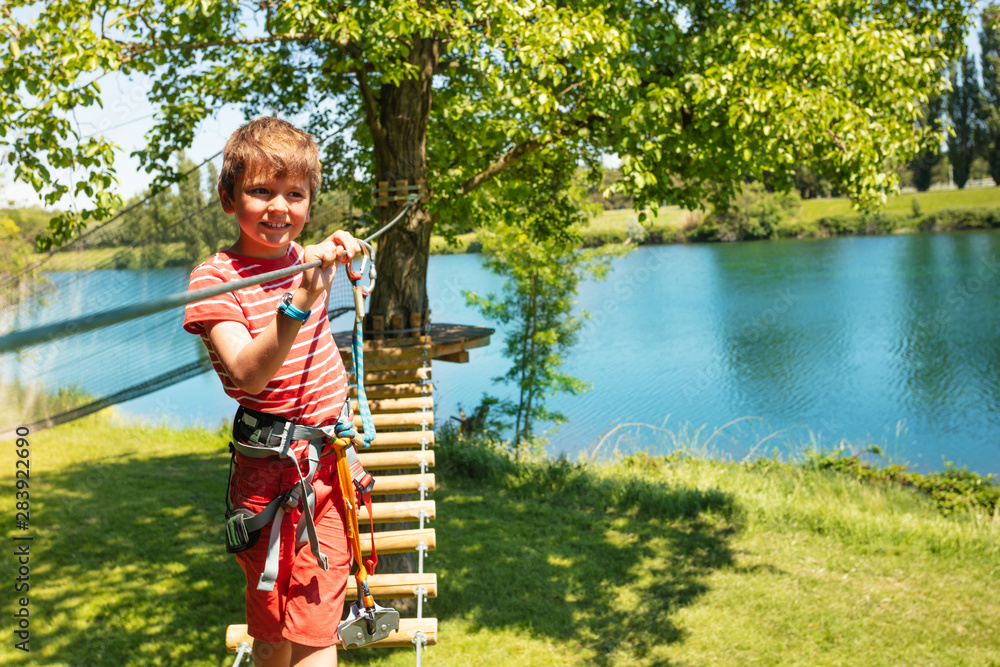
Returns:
(936, 211)
(639, 561)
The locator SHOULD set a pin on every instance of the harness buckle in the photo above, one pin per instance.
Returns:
(291, 499)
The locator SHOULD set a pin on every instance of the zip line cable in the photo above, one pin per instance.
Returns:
(19, 339)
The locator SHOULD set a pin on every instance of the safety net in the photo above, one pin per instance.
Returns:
(144, 252)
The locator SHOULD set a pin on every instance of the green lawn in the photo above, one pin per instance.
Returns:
(641, 562)
(814, 209)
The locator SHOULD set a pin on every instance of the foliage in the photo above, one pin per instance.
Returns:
(963, 112)
(187, 213)
(754, 214)
(693, 97)
(989, 42)
(14, 259)
(923, 165)
(542, 270)
(810, 184)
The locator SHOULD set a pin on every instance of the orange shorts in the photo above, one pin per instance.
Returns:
(307, 602)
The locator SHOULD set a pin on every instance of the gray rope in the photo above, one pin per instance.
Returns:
(18, 339)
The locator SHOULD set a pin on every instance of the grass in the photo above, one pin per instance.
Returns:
(641, 561)
(931, 201)
(102, 258)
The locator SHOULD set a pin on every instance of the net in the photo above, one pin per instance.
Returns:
(145, 252)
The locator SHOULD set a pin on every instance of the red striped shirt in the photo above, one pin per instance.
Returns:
(311, 385)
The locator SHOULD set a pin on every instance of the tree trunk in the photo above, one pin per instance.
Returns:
(400, 138)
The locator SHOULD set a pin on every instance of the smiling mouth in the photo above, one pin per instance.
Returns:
(276, 225)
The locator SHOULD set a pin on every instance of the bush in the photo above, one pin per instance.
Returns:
(755, 214)
(595, 238)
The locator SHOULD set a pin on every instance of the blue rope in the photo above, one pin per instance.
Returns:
(358, 357)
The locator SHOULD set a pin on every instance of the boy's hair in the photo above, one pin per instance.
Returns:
(268, 145)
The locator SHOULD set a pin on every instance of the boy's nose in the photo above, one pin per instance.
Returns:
(278, 204)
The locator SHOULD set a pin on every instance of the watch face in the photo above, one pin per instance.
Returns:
(286, 300)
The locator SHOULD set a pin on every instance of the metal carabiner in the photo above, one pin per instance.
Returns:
(368, 259)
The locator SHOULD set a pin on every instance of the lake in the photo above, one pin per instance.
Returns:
(770, 346)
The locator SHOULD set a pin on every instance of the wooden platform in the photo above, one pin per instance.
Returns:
(446, 342)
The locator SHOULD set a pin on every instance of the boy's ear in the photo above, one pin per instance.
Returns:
(226, 199)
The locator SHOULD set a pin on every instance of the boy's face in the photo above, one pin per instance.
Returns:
(270, 210)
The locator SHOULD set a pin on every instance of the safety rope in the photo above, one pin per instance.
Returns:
(18, 339)
(357, 336)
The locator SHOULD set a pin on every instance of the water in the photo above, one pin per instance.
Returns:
(887, 340)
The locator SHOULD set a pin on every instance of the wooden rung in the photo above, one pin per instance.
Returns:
(395, 390)
(408, 403)
(403, 483)
(395, 377)
(407, 510)
(387, 586)
(403, 439)
(388, 363)
(393, 460)
(399, 541)
(401, 348)
(399, 420)
(408, 629)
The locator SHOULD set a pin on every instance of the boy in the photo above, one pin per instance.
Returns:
(272, 348)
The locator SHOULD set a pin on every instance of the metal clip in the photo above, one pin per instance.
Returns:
(367, 626)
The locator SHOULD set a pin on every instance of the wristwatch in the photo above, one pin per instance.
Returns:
(286, 308)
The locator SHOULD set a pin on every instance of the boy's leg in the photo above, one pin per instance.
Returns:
(312, 656)
(267, 654)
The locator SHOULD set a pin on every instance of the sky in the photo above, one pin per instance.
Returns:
(127, 116)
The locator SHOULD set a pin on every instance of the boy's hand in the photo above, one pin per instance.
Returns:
(348, 243)
(339, 246)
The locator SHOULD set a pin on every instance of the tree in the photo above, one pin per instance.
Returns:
(693, 97)
(963, 113)
(541, 273)
(810, 184)
(989, 42)
(923, 165)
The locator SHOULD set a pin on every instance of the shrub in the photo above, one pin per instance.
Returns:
(755, 214)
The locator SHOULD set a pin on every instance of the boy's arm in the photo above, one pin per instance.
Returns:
(252, 362)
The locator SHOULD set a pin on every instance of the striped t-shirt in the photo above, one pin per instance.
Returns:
(311, 385)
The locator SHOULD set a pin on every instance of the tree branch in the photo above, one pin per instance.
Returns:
(506, 160)
(517, 152)
(371, 107)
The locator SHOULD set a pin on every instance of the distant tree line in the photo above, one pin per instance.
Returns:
(971, 111)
